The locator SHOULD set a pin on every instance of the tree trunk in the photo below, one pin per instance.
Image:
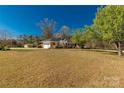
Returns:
(116, 45)
(119, 49)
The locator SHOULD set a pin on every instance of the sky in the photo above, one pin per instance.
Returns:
(19, 20)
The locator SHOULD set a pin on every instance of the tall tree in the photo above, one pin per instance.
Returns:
(65, 32)
(89, 33)
(47, 27)
(90, 36)
(109, 22)
(77, 37)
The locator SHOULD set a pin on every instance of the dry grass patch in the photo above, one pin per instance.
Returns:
(60, 68)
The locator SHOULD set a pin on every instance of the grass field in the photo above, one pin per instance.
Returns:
(60, 68)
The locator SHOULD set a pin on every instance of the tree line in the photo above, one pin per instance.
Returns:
(106, 32)
(107, 28)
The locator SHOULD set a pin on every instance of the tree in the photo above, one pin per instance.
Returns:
(109, 22)
(76, 37)
(65, 32)
(58, 35)
(4, 37)
(90, 36)
(47, 27)
(28, 39)
(89, 33)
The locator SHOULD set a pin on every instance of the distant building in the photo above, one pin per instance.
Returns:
(54, 43)
(49, 44)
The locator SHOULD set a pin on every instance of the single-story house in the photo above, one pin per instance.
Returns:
(48, 44)
(54, 43)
